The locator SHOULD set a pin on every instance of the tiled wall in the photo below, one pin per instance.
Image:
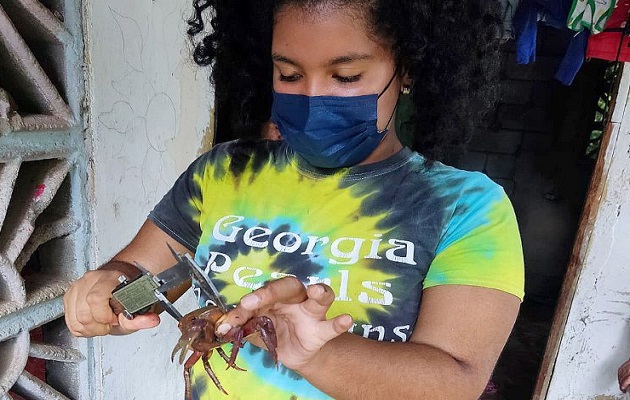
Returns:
(533, 145)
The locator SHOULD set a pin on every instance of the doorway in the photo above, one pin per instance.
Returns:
(541, 144)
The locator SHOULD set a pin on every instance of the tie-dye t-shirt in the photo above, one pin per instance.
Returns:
(378, 234)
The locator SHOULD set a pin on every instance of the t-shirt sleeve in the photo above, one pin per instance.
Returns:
(178, 212)
(481, 245)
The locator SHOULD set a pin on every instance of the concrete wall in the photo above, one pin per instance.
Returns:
(149, 112)
(596, 339)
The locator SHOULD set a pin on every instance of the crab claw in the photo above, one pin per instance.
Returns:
(184, 346)
(268, 335)
(261, 327)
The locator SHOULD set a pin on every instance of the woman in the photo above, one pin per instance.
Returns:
(413, 269)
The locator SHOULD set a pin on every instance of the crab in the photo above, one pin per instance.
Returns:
(198, 335)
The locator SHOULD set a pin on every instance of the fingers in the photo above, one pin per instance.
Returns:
(288, 290)
(87, 307)
(314, 301)
(97, 301)
(336, 326)
(320, 298)
(69, 302)
(126, 326)
(86, 304)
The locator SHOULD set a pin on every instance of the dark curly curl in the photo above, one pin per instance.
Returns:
(448, 47)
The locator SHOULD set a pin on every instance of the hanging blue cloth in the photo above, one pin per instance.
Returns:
(553, 13)
(573, 58)
(525, 24)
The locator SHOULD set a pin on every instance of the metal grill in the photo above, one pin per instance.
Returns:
(44, 227)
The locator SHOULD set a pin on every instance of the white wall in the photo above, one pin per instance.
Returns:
(596, 340)
(149, 108)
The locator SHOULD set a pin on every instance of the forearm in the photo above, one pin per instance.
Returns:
(124, 267)
(351, 367)
(150, 249)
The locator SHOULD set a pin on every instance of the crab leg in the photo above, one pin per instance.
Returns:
(237, 343)
(189, 363)
(227, 360)
(210, 372)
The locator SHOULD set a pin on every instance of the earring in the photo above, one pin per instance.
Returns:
(406, 89)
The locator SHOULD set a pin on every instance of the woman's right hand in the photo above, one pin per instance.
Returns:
(88, 312)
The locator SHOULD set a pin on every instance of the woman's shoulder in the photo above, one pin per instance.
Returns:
(450, 180)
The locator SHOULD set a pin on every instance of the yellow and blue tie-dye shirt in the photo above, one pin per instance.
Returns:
(378, 234)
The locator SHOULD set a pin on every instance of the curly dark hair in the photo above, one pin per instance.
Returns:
(448, 47)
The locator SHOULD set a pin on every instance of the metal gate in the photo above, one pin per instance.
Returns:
(44, 224)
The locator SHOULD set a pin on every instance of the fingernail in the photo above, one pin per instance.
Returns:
(250, 301)
(223, 329)
(319, 290)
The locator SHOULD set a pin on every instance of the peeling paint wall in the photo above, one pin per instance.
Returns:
(150, 108)
(596, 339)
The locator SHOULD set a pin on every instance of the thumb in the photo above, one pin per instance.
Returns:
(139, 322)
(334, 327)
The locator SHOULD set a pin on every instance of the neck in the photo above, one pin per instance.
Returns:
(387, 148)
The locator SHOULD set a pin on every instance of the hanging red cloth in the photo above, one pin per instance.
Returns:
(613, 44)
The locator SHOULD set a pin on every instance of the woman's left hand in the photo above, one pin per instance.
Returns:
(298, 314)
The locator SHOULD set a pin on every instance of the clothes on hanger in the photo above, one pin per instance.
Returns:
(573, 58)
(553, 13)
(590, 14)
(613, 44)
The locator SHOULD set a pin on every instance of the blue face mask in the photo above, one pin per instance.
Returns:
(329, 131)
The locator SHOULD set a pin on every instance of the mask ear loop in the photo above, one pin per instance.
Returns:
(385, 131)
(388, 83)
